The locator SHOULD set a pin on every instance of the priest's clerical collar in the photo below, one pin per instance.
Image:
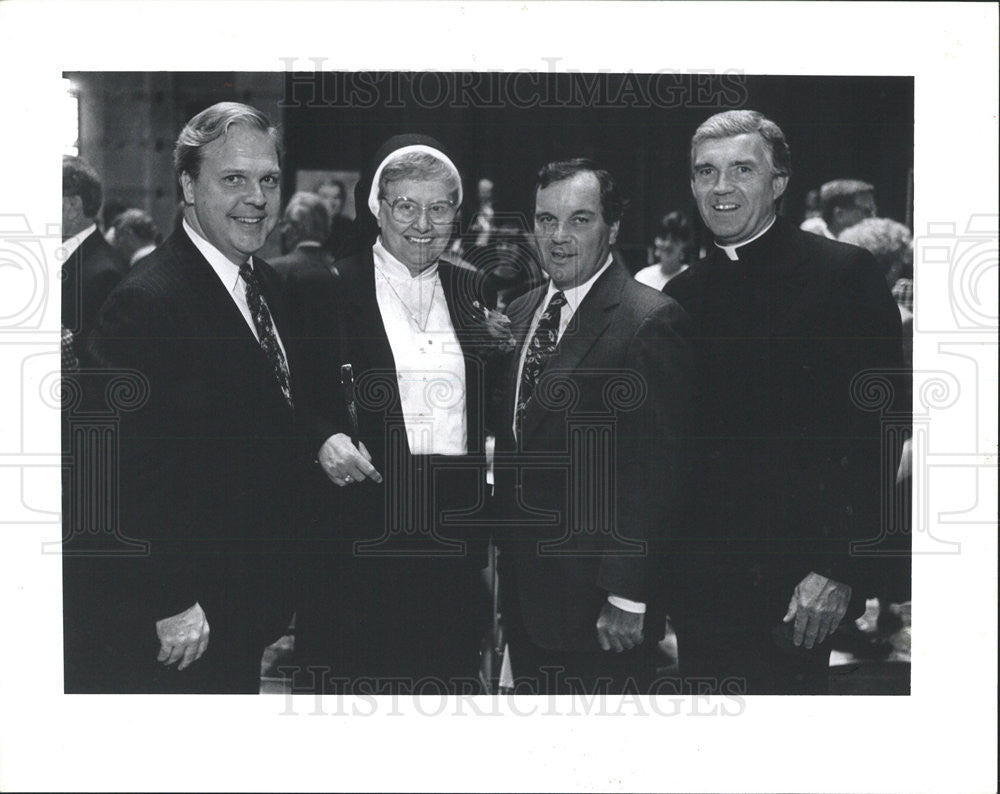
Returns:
(731, 249)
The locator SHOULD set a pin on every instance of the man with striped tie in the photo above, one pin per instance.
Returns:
(207, 459)
(587, 465)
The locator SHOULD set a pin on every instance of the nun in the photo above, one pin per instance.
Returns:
(389, 364)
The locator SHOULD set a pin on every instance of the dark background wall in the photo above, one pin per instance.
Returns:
(504, 126)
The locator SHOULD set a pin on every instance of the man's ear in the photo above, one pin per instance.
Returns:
(779, 183)
(187, 187)
(613, 234)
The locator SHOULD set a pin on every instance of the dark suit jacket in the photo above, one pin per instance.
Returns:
(786, 470)
(88, 277)
(599, 448)
(206, 460)
(312, 256)
(385, 595)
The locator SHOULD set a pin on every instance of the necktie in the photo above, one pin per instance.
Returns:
(265, 330)
(540, 349)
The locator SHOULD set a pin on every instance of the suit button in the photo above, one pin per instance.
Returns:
(844, 462)
(849, 509)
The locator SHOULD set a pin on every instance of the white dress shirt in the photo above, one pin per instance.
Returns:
(229, 274)
(146, 250)
(654, 277)
(574, 297)
(430, 367)
(69, 246)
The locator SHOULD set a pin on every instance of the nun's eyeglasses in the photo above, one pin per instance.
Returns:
(406, 210)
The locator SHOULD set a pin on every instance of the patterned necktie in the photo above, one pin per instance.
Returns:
(540, 349)
(265, 330)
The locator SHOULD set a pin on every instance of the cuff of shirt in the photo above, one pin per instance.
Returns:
(625, 605)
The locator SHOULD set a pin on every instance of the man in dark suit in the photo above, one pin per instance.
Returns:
(91, 267)
(303, 230)
(588, 453)
(787, 460)
(207, 457)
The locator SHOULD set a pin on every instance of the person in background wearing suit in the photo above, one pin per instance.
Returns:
(303, 230)
(395, 601)
(588, 454)
(341, 238)
(91, 268)
(136, 235)
(787, 463)
(207, 460)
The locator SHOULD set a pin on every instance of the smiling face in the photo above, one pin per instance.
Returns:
(572, 235)
(419, 243)
(734, 183)
(233, 203)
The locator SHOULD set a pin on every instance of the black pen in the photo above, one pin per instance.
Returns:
(347, 381)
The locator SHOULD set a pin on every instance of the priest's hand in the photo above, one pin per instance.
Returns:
(817, 606)
(183, 637)
(618, 630)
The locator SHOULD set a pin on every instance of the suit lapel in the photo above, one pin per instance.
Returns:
(219, 313)
(589, 322)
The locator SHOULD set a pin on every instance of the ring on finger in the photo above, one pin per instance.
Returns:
(347, 478)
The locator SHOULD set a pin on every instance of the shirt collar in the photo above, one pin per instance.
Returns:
(393, 268)
(74, 242)
(575, 295)
(144, 251)
(227, 271)
(731, 249)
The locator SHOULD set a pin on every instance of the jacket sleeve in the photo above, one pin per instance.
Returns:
(658, 379)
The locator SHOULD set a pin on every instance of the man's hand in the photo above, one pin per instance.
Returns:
(344, 463)
(617, 629)
(817, 606)
(183, 637)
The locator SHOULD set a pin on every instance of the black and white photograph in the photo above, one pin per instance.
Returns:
(394, 385)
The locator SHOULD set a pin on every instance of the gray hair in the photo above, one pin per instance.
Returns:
(889, 241)
(213, 123)
(731, 123)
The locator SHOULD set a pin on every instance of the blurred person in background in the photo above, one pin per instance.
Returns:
(812, 218)
(845, 202)
(91, 268)
(303, 228)
(340, 240)
(135, 235)
(672, 248)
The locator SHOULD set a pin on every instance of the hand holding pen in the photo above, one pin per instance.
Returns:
(346, 460)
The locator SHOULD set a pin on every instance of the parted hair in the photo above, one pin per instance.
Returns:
(211, 124)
